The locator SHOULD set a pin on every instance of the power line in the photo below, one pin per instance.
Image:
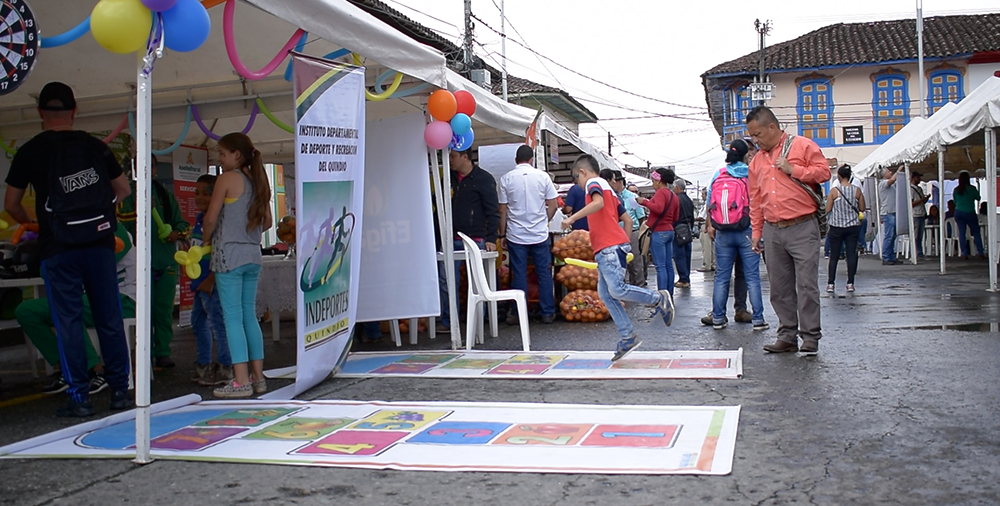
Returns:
(525, 41)
(539, 55)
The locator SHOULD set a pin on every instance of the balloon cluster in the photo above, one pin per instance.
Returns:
(452, 113)
(123, 26)
(191, 260)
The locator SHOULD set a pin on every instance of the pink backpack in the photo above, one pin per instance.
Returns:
(729, 207)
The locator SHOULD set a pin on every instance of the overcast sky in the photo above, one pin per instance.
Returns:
(650, 48)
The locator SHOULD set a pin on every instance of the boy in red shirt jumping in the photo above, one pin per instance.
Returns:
(611, 247)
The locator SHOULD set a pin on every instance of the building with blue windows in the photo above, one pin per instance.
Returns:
(851, 86)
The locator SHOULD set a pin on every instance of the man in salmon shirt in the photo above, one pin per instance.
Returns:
(611, 248)
(781, 216)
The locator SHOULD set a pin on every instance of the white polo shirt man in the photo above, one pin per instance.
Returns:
(527, 203)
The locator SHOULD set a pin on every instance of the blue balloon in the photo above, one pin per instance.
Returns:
(186, 26)
(461, 123)
(462, 142)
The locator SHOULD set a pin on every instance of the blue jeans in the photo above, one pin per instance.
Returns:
(542, 258)
(682, 260)
(612, 289)
(971, 220)
(889, 237)
(443, 282)
(238, 298)
(662, 248)
(728, 245)
(918, 224)
(206, 319)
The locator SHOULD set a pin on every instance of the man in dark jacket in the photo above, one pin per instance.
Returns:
(682, 254)
(475, 211)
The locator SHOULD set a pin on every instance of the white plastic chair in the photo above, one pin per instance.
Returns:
(480, 293)
(130, 337)
(951, 237)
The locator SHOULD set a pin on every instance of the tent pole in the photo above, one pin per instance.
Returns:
(877, 223)
(941, 207)
(909, 216)
(444, 221)
(143, 126)
(449, 255)
(991, 203)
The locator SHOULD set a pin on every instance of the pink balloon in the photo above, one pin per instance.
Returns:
(438, 134)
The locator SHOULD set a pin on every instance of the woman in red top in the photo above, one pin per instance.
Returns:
(663, 210)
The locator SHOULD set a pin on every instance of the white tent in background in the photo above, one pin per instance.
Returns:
(977, 112)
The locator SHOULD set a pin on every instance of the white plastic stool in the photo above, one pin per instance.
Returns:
(130, 337)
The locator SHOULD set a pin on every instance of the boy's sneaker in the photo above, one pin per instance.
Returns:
(761, 326)
(234, 390)
(120, 400)
(665, 308)
(625, 346)
(73, 409)
(97, 383)
(259, 386)
(223, 374)
(203, 374)
(830, 288)
(719, 326)
(850, 287)
(58, 385)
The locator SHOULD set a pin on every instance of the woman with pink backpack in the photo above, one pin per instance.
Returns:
(729, 219)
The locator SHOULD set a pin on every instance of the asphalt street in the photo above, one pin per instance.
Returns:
(899, 407)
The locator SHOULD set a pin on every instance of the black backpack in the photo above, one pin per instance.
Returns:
(81, 202)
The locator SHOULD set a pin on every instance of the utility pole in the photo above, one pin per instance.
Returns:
(763, 29)
(920, 55)
(609, 143)
(503, 49)
(467, 45)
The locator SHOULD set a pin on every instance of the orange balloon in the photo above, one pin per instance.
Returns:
(119, 244)
(442, 105)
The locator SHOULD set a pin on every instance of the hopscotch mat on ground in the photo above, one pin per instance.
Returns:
(702, 364)
(427, 436)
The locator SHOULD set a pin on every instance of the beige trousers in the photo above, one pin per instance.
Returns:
(792, 255)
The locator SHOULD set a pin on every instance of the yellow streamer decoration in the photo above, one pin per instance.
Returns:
(388, 92)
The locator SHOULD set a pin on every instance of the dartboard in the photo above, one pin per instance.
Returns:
(18, 43)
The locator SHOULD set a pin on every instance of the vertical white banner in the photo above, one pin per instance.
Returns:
(329, 178)
(399, 277)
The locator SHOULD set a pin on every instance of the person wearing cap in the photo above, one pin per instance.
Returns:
(783, 217)
(527, 204)
(919, 201)
(69, 268)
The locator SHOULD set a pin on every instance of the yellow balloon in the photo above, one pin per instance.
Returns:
(4, 225)
(591, 265)
(194, 271)
(121, 26)
(181, 257)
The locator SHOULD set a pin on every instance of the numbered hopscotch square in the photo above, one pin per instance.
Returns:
(636, 436)
(247, 417)
(460, 433)
(472, 363)
(193, 439)
(535, 359)
(515, 369)
(400, 368)
(428, 359)
(544, 434)
(411, 421)
(584, 363)
(650, 363)
(356, 443)
(700, 363)
(300, 429)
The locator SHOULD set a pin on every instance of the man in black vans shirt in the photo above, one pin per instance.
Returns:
(65, 168)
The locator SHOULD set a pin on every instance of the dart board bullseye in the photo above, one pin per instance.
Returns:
(18, 44)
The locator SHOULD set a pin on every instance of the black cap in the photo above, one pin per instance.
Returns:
(56, 96)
